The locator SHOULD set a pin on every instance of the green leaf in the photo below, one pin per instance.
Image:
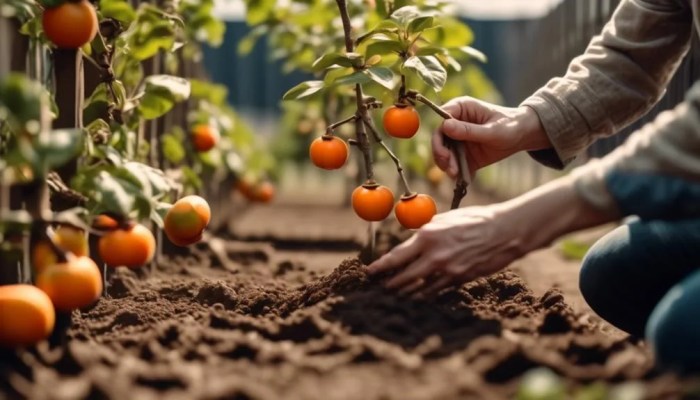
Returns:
(161, 94)
(420, 24)
(474, 53)
(574, 250)
(430, 51)
(428, 69)
(109, 193)
(173, 150)
(191, 178)
(381, 8)
(153, 179)
(21, 100)
(57, 147)
(246, 45)
(405, 15)
(391, 32)
(304, 89)
(258, 11)
(331, 59)
(353, 79)
(382, 75)
(384, 47)
(212, 92)
(119, 93)
(120, 10)
(451, 33)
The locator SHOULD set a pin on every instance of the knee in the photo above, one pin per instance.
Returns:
(673, 328)
(600, 265)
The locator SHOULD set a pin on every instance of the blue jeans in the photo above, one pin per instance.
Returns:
(644, 277)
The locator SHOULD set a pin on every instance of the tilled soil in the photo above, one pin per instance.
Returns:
(261, 328)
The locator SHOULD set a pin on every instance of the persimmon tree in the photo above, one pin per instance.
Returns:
(307, 36)
(400, 53)
(148, 131)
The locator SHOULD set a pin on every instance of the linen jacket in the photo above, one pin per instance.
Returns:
(621, 75)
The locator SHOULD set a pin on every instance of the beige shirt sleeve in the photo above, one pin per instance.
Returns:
(622, 74)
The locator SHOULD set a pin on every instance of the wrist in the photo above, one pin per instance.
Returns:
(533, 134)
(544, 214)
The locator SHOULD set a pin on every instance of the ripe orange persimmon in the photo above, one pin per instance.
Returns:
(328, 152)
(372, 202)
(415, 211)
(401, 121)
(71, 285)
(104, 222)
(27, 315)
(71, 24)
(435, 175)
(186, 220)
(43, 256)
(262, 192)
(205, 137)
(73, 240)
(131, 247)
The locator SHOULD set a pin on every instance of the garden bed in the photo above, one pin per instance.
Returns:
(284, 319)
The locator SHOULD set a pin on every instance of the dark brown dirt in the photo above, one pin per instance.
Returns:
(193, 330)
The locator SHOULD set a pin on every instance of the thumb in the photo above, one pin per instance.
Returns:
(465, 131)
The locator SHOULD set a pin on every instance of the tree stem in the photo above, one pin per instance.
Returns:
(334, 125)
(360, 132)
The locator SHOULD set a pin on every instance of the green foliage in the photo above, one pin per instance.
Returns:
(419, 39)
(152, 30)
(200, 22)
(123, 187)
(24, 107)
(121, 10)
(573, 249)
(161, 93)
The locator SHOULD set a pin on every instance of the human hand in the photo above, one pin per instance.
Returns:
(455, 247)
(490, 133)
(467, 243)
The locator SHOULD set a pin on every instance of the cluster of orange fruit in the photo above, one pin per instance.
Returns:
(371, 201)
(73, 280)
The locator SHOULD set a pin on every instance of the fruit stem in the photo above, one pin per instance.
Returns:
(464, 178)
(333, 126)
(61, 254)
(397, 162)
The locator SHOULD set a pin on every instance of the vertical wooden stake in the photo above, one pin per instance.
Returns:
(70, 94)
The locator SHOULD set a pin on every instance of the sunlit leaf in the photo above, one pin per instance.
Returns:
(428, 69)
(162, 92)
(382, 75)
(304, 89)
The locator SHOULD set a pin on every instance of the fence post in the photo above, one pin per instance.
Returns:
(70, 95)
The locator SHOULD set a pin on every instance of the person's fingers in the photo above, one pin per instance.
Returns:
(420, 268)
(466, 131)
(412, 287)
(454, 108)
(397, 257)
(435, 287)
(441, 154)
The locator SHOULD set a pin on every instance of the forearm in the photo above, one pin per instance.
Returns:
(622, 74)
(550, 211)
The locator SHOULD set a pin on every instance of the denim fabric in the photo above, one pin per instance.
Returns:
(654, 196)
(674, 327)
(645, 276)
